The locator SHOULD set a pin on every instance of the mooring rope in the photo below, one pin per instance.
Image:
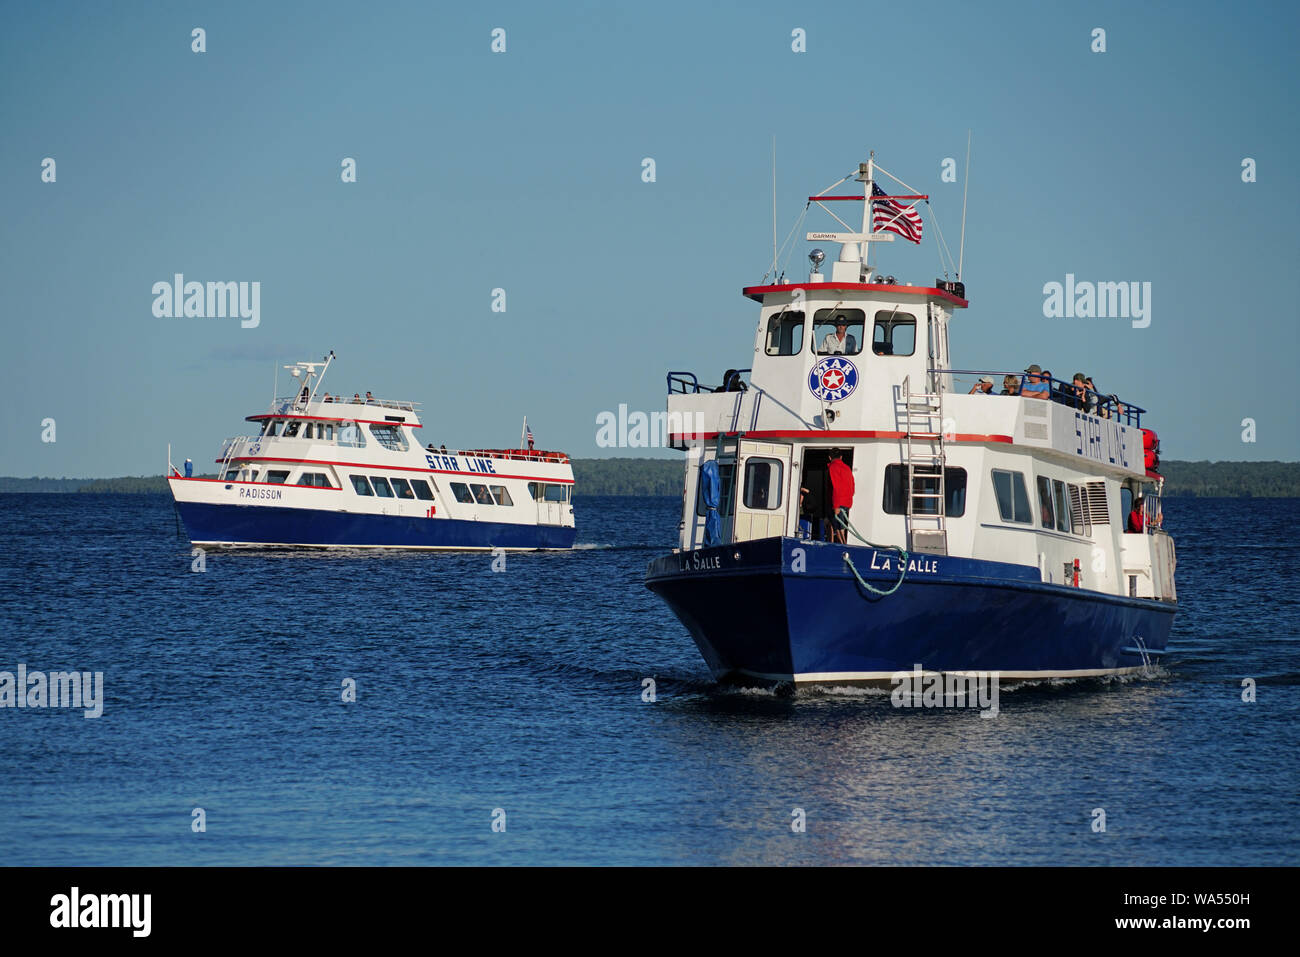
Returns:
(902, 560)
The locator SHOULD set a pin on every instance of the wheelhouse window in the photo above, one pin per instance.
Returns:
(381, 486)
(954, 492)
(402, 489)
(390, 437)
(291, 429)
(502, 495)
(1062, 507)
(462, 493)
(270, 427)
(785, 333)
(277, 476)
(1013, 500)
(894, 334)
(1079, 524)
(828, 324)
(481, 494)
(727, 485)
(763, 483)
(422, 490)
(351, 435)
(360, 485)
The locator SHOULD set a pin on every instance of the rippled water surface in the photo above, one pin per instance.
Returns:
(522, 691)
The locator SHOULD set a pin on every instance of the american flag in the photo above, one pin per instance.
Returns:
(891, 215)
(530, 433)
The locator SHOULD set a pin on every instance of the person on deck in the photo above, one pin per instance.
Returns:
(1035, 386)
(1136, 519)
(1010, 385)
(984, 386)
(841, 496)
(837, 343)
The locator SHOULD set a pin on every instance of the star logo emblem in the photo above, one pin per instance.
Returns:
(832, 379)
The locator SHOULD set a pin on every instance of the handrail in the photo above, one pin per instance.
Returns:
(686, 383)
(1108, 406)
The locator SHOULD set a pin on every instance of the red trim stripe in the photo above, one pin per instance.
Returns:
(758, 292)
(195, 478)
(832, 436)
(397, 468)
(823, 199)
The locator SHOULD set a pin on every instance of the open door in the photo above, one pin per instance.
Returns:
(763, 482)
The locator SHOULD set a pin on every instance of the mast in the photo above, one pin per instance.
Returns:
(867, 175)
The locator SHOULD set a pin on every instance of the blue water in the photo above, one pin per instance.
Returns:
(521, 690)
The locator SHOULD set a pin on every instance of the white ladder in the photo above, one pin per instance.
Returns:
(924, 459)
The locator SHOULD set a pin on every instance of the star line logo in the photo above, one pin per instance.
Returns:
(833, 378)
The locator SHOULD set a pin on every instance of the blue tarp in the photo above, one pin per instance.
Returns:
(711, 486)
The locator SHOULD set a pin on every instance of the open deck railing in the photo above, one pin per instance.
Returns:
(686, 383)
(290, 403)
(1105, 406)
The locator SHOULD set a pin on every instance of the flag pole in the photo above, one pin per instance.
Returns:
(522, 432)
(866, 213)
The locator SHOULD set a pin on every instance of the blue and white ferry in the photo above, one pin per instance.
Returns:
(339, 471)
(988, 532)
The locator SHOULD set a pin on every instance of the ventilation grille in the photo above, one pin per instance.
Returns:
(1036, 430)
(1094, 497)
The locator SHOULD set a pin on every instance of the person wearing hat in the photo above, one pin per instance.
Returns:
(1079, 386)
(837, 343)
(984, 386)
(1036, 386)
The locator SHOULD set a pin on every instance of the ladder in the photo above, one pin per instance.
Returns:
(924, 459)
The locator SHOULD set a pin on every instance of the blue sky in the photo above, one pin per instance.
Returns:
(522, 170)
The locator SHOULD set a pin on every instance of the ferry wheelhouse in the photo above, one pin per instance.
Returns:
(987, 532)
(327, 470)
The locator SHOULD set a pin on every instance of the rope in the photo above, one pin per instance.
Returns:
(902, 560)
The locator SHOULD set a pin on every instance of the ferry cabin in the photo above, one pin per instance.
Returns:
(939, 471)
(365, 458)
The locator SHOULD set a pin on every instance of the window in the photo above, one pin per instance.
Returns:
(894, 334)
(382, 488)
(462, 493)
(277, 476)
(954, 492)
(727, 475)
(310, 431)
(557, 493)
(402, 488)
(502, 495)
(481, 494)
(351, 436)
(763, 483)
(1013, 500)
(1062, 508)
(785, 333)
(325, 431)
(270, 427)
(390, 437)
(826, 339)
(314, 480)
(360, 484)
(291, 429)
(422, 490)
(1045, 501)
(1078, 520)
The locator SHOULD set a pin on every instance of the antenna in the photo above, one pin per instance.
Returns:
(961, 252)
(774, 252)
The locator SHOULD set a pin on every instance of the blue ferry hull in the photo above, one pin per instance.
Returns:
(787, 610)
(268, 525)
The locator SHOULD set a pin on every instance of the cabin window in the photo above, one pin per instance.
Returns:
(543, 492)
(291, 429)
(382, 488)
(1062, 507)
(954, 492)
(763, 483)
(269, 427)
(390, 437)
(1048, 515)
(502, 495)
(402, 489)
(1013, 500)
(462, 493)
(422, 490)
(277, 476)
(894, 334)
(826, 338)
(727, 484)
(785, 333)
(360, 485)
(351, 436)
(314, 480)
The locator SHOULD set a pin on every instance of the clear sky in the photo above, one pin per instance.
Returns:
(522, 170)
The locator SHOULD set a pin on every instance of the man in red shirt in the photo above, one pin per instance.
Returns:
(1135, 517)
(841, 496)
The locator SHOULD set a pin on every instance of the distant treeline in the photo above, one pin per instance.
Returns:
(664, 477)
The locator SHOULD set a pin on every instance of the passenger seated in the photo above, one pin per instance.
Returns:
(984, 386)
(1010, 385)
(1035, 386)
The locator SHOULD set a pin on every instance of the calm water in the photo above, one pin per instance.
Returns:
(521, 690)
